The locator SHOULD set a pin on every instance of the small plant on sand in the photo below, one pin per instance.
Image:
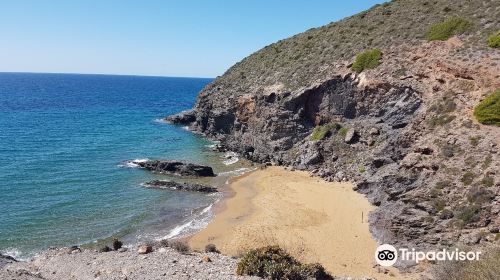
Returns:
(488, 110)
(272, 262)
(494, 40)
(322, 131)
(180, 247)
(211, 248)
(367, 60)
(448, 28)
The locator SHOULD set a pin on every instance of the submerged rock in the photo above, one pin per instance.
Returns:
(176, 167)
(159, 184)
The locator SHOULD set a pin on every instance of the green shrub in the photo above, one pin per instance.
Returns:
(488, 110)
(440, 120)
(443, 184)
(322, 131)
(468, 213)
(367, 60)
(487, 181)
(494, 40)
(272, 262)
(439, 204)
(448, 28)
(343, 131)
(467, 178)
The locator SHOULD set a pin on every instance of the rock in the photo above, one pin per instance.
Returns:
(117, 244)
(144, 249)
(182, 118)
(73, 250)
(311, 158)
(104, 249)
(206, 259)
(122, 250)
(190, 187)
(351, 136)
(374, 131)
(4, 260)
(176, 167)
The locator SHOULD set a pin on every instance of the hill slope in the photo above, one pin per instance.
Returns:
(403, 132)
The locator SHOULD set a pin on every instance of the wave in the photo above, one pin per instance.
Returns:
(163, 121)
(230, 158)
(196, 223)
(236, 172)
(15, 253)
(132, 163)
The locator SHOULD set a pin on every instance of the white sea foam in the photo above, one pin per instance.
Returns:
(198, 222)
(230, 158)
(132, 163)
(236, 172)
(160, 121)
(13, 252)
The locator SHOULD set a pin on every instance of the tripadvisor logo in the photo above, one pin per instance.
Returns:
(388, 255)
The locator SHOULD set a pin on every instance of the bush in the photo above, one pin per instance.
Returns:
(494, 40)
(322, 131)
(487, 181)
(367, 60)
(211, 248)
(274, 263)
(440, 120)
(467, 178)
(448, 28)
(469, 213)
(343, 131)
(180, 247)
(486, 268)
(488, 110)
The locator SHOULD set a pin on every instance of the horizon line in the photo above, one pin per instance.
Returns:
(104, 74)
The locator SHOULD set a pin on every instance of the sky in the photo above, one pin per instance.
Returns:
(180, 38)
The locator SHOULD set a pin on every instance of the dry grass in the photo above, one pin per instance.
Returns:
(487, 268)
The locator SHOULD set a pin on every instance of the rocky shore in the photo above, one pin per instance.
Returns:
(190, 187)
(162, 263)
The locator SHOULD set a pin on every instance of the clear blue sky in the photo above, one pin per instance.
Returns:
(166, 38)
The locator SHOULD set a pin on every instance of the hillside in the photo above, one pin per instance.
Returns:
(403, 132)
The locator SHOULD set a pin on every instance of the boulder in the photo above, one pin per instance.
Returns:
(144, 249)
(351, 136)
(176, 167)
(159, 184)
(117, 244)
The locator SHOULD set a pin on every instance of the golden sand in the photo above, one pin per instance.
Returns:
(314, 220)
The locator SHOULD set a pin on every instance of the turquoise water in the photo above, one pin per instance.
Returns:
(63, 140)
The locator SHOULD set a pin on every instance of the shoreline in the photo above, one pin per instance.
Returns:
(315, 223)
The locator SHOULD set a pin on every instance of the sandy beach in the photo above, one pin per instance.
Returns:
(316, 221)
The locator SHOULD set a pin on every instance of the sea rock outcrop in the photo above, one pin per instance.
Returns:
(190, 187)
(176, 167)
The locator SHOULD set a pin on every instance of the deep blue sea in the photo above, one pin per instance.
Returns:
(63, 141)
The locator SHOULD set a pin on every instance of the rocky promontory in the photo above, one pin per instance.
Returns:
(175, 167)
(190, 187)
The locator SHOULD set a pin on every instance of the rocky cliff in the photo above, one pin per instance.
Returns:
(403, 132)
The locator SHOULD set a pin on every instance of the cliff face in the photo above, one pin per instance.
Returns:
(403, 132)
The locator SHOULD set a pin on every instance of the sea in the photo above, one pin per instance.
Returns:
(64, 144)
